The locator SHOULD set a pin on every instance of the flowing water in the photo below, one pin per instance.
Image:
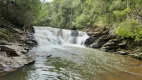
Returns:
(70, 60)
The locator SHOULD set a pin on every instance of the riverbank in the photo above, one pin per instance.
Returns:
(15, 46)
(105, 39)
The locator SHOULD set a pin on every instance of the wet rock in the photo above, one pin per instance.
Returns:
(27, 48)
(137, 56)
(35, 42)
(121, 52)
(49, 55)
(101, 41)
(111, 45)
(89, 41)
(110, 48)
(31, 42)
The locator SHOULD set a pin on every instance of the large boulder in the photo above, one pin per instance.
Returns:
(111, 45)
(89, 41)
(101, 41)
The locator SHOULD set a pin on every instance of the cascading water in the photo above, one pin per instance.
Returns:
(53, 36)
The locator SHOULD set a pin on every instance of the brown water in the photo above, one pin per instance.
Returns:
(78, 63)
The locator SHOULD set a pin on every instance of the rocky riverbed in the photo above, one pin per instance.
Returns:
(105, 39)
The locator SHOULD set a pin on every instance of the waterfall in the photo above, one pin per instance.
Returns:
(54, 36)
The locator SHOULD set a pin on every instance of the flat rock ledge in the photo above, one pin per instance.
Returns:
(14, 56)
(107, 41)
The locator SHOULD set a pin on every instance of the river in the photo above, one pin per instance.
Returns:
(59, 59)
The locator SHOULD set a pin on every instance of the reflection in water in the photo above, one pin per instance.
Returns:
(78, 63)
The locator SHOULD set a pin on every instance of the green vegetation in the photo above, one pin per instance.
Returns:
(17, 13)
(131, 29)
(21, 13)
(123, 15)
(6, 35)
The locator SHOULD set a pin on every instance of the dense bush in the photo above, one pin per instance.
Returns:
(130, 28)
(20, 12)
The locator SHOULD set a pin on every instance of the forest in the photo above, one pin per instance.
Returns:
(123, 16)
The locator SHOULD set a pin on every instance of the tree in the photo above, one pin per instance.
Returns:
(20, 12)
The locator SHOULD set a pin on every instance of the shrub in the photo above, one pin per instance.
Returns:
(6, 35)
(130, 28)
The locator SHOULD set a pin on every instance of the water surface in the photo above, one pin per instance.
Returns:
(78, 63)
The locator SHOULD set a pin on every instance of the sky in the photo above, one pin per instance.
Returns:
(47, 0)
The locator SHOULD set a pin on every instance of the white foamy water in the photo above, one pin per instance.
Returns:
(46, 36)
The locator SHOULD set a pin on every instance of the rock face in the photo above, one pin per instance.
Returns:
(111, 46)
(101, 41)
(98, 37)
(89, 41)
(137, 56)
(109, 42)
(17, 54)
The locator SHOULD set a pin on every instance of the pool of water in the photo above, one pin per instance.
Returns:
(77, 63)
